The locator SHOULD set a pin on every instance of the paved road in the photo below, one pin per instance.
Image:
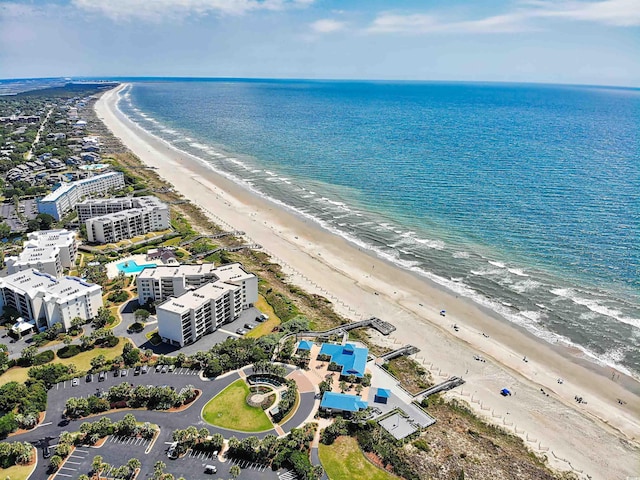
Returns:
(54, 422)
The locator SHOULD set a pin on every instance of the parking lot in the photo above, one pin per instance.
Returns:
(110, 379)
(74, 466)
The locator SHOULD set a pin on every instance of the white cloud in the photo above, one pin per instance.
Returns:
(625, 13)
(327, 25)
(522, 18)
(156, 10)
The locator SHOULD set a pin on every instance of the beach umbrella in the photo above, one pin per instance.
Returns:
(505, 392)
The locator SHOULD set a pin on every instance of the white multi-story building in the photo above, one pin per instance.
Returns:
(104, 206)
(67, 196)
(197, 298)
(113, 227)
(164, 281)
(187, 318)
(47, 300)
(48, 251)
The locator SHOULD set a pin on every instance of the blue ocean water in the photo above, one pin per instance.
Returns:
(525, 198)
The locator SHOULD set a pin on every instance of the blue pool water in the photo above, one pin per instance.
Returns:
(131, 266)
(524, 198)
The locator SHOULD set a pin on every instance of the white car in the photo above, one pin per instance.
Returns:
(75, 382)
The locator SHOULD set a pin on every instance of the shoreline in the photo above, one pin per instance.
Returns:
(357, 281)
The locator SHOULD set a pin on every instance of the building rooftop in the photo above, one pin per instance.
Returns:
(342, 401)
(56, 194)
(195, 298)
(34, 253)
(51, 238)
(161, 271)
(31, 281)
(305, 345)
(352, 359)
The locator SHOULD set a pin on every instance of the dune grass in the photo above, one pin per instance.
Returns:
(343, 460)
(229, 409)
(264, 328)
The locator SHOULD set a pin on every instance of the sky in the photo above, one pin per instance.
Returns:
(593, 42)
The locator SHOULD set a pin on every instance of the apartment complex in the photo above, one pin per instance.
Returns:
(68, 195)
(189, 317)
(197, 298)
(48, 251)
(123, 218)
(99, 207)
(47, 300)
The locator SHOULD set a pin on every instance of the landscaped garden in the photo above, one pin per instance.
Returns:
(229, 409)
(343, 460)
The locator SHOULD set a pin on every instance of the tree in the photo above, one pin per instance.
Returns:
(28, 353)
(343, 386)
(141, 315)
(102, 317)
(96, 464)
(56, 461)
(235, 471)
(98, 362)
(67, 340)
(133, 464)
(5, 230)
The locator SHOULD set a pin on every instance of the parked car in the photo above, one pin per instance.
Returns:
(123, 372)
(136, 371)
(46, 452)
(116, 372)
(102, 376)
(75, 382)
(241, 331)
(171, 452)
(264, 316)
(88, 378)
(249, 326)
(145, 369)
(165, 369)
(172, 368)
(158, 367)
(210, 469)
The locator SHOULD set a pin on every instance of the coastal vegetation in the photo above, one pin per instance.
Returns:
(343, 460)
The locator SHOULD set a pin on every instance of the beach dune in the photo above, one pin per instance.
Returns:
(597, 438)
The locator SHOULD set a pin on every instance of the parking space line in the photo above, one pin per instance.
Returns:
(73, 463)
(63, 475)
(81, 451)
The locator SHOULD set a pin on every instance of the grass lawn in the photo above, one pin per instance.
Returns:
(344, 460)
(82, 361)
(229, 409)
(264, 328)
(17, 472)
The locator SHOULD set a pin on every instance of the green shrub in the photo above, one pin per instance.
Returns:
(43, 357)
(136, 327)
(69, 351)
(421, 444)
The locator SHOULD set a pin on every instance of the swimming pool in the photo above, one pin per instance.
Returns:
(95, 166)
(130, 266)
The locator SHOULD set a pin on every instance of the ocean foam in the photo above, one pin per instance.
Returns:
(594, 306)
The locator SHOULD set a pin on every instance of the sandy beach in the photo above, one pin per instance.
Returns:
(597, 438)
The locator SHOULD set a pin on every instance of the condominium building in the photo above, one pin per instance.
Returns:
(47, 300)
(187, 318)
(68, 195)
(104, 206)
(197, 298)
(48, 251)
(110, 220)
(164, 281)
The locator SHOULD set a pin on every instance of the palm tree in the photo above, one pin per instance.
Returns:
(134, 464)
(235, 471)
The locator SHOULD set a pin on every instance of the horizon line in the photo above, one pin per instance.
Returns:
(71, 78)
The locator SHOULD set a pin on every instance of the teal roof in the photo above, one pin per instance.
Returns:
(352, 359)
(383, 393)
(305, 345)
(341, 401)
